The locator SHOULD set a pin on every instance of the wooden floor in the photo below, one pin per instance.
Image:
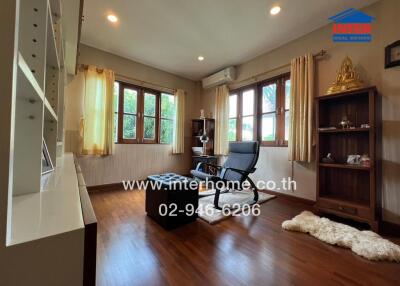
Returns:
(133, 250)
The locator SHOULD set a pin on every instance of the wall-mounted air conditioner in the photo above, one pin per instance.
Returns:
(221, 77)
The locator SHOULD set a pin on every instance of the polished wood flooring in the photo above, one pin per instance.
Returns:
(133, 250)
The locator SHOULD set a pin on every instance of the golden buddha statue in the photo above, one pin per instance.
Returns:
(346, 79)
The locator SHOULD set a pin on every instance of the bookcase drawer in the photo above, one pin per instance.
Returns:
(346, 209)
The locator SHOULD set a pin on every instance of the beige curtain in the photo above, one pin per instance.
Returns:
(301, 108)
(221, 120)
(96, 128)
(178, 143)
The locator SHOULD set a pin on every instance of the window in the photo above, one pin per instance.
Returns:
(142, 115)
(233, 99)
(167, 118)
(150, 111)
(274, 111)
(242, 115)
(269, 122)
(247, 116)
(129, 114)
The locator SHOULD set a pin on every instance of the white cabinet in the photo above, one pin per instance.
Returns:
(41, 224)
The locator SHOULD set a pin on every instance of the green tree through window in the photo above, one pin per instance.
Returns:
(167, 118)
(147, 116)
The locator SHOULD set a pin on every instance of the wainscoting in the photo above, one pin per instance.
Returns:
(129, 161)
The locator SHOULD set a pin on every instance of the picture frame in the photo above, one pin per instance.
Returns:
(47, 164)
(392, 55)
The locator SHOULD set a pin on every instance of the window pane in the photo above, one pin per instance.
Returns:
(248, 102)
(247, 128)
(149, 128)
(149, 104)
(129, 126)
(287, 124)
(166, 131)
(130, 100)
(167, 105)
(287, 94)
(268, 127)
(232, 130)
(116, 96)
(269, 98)
(115, 127)
(232, 105)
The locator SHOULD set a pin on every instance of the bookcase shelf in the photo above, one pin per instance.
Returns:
(339, 130)
(346, 201)
(344, 166)
(30, 88)
(349, 190)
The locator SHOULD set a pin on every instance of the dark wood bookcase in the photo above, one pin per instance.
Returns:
(197, 131)
(351, 191)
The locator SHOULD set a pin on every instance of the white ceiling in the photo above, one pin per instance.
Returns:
(171, 34)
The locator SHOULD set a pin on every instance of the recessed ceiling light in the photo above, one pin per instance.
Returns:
(275, 10)
(112, 18)
(200, 58)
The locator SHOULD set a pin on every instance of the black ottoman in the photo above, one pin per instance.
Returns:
(171, 199)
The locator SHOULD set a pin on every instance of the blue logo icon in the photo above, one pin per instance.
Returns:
(352, 25)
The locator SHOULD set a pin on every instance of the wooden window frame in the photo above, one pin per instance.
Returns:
(156, 116)
(139, 114)
(163, 118)
(280, 110)
(239, 110)
(236, 117)
(121, 113)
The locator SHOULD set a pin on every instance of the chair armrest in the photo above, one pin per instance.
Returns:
(208, 164)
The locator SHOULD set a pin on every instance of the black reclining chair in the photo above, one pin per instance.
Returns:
(241, 161)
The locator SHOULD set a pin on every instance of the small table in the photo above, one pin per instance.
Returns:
(172, 199)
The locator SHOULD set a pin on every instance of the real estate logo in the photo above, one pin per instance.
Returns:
(352, 25)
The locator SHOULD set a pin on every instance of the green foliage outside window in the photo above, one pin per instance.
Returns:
(149, 104)
(130, 101)
(115, 103)
(149, 128)
(129, 126)
(167, 106)
(232, 129)
(168, 115)
(130, 109)
(166, 132)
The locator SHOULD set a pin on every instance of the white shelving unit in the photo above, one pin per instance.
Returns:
(38, 91)
(38, 111)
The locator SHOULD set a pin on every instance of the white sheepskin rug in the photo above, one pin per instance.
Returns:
(365, 243)
(213, 215)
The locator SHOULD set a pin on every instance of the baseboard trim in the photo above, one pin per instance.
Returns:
(389, 229)
(105, 187)
(289, 197)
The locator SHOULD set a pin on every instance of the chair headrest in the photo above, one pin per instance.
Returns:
(248, 147)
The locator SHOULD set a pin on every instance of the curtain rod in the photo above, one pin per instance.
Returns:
(138, 81)
(321, 53)
(143, 82)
